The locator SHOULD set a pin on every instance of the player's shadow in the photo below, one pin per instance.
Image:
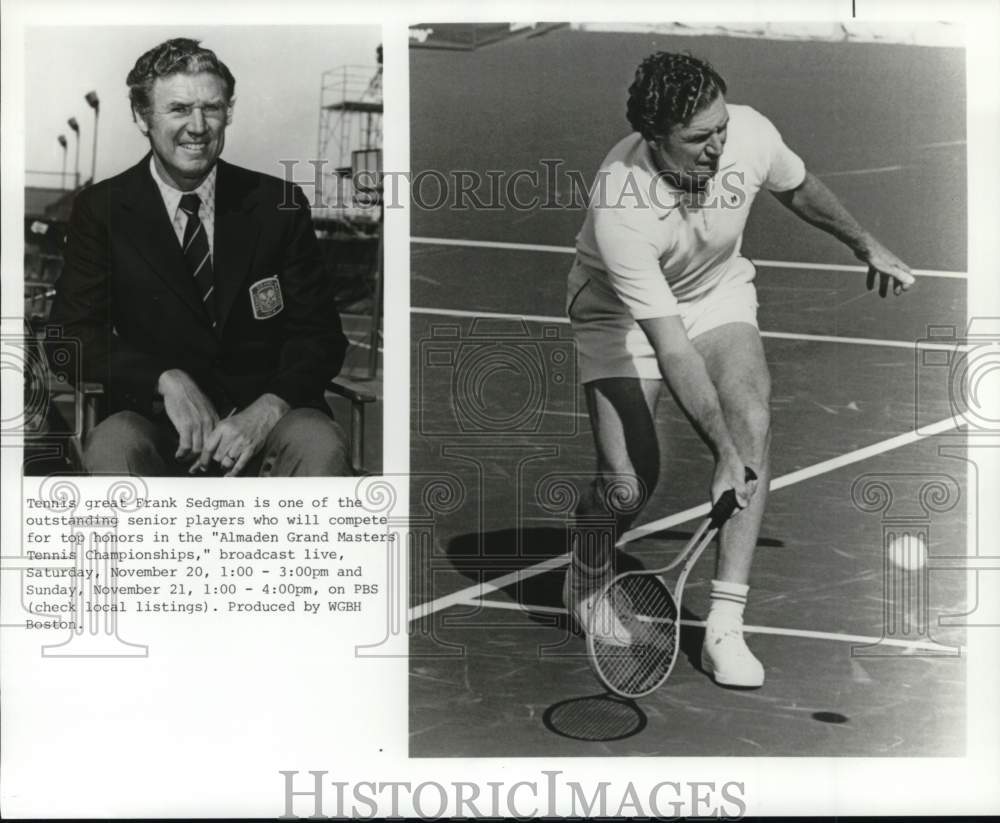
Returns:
(503, 553)
(483, 557)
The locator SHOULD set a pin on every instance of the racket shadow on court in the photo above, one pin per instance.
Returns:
(595, 718)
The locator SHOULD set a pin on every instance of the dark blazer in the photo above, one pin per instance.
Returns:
(126, 294)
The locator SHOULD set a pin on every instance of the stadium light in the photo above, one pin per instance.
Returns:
(95, 104)
(76, 166)
(62, 142)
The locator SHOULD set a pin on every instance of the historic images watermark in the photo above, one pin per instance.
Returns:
(44, 364)
(495, 379)
(919, 512)
(75, 585)
(59, 583)
(964, 370)
(498, 403)
(548, 187)
(549, 795)
(459, 368)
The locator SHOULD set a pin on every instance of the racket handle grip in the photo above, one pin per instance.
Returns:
(726, 504)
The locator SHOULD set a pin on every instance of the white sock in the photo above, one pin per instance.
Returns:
(727, 603)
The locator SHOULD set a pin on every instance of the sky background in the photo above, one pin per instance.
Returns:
(277, 69)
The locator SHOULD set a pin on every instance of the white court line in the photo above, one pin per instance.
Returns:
(361, 344)
(941, 144)
(851, 172)
(490, 315)
(480, 589)
(491, 244)
(791, 478)
(866, 341)
(487, 586)
(777, 335)
(776, 630)
(770, 264)
(785, 264)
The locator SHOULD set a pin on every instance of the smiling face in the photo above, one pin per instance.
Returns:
(186, 126)
(689, 155)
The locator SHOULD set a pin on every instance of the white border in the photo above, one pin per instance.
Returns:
(773, 786)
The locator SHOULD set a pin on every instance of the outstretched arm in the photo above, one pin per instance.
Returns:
(816, 204)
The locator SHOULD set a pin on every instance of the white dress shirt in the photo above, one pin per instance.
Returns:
(172, 201)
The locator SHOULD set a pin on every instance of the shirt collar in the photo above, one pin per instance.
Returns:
(172, 195)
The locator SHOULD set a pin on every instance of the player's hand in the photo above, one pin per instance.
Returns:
(886, 267)
(730, 473)
(237, 438)
(191, 412)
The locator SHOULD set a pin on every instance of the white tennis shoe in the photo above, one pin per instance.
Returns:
(726, 657)
(594, 615)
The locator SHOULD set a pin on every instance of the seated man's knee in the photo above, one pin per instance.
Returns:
(307, 443)
(123, 443)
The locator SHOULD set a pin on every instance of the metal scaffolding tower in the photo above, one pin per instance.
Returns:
(350, 209)
(350, 121)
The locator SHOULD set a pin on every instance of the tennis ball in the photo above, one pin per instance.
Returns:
(908, 551)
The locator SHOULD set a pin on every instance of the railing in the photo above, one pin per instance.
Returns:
(355, 83)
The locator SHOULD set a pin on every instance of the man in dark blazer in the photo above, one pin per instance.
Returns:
(197, 291)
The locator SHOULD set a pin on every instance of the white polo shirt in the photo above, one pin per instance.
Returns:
(652, 246)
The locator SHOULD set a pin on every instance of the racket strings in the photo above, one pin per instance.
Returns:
(634, 634)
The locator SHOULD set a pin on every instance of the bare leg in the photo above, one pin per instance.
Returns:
(622, 417)
(734, 357)
(628, 465)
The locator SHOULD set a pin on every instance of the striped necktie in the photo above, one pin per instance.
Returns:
(196, 254)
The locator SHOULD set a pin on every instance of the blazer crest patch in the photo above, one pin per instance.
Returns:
(265, 298)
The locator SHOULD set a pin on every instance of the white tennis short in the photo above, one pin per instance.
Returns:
(609, 342)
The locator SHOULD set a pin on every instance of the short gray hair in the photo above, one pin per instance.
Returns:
(180, 55)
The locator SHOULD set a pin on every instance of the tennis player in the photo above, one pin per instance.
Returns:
(659, 295)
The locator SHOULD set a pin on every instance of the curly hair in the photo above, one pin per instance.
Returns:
(668, 90)
(180, 55)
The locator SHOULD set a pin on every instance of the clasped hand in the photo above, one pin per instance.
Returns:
(231, 442)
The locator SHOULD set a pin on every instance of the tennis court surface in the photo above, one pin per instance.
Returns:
(862, 658)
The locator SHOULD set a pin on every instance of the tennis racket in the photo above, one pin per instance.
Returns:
(634, 632)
